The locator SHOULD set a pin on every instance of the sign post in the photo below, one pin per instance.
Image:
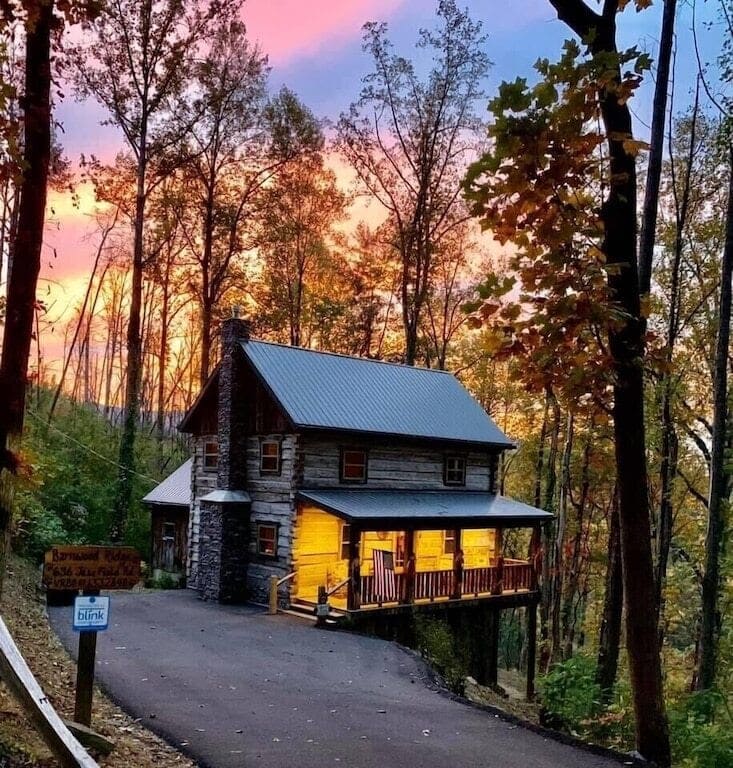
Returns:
(89, 569)
(91, 615)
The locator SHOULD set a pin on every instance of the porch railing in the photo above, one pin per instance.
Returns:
(512, 576)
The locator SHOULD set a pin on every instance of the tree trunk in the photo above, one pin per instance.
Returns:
(126, 471)
(206, 279)
(541, 456)
(656, 149)
(610, 635)
(558, 575)
(572, 597)
(206, 318)
(670, 443)
(23, 277)
(162, 363)
(710, 620)
(626, 342)
(549, 535)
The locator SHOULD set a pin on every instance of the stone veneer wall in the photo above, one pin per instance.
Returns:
(224, 527)
(224, 542)
(203, 481)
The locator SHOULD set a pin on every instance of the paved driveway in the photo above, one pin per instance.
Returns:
(238, 688)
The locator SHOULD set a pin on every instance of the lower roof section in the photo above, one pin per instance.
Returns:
(175, 490)
(398, 510)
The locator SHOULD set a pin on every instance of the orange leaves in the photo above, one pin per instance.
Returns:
(540, 190)
(634, 146)
(640, 5)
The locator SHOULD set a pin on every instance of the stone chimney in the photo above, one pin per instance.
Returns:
(225, 513)
(232, 413)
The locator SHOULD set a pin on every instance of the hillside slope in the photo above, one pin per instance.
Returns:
(23, 611)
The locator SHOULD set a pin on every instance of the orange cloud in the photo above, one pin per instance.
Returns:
(289, 29)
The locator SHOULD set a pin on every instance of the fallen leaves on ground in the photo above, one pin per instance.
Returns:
(20, 745)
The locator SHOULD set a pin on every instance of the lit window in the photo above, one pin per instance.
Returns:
(267, 540)
(211, 455)
(345, 535)
(449, 542)
(270, 457)
(399, 549)
(353, 466)
(455, 470)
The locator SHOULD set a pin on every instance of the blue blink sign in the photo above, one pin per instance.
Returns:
(91, 613)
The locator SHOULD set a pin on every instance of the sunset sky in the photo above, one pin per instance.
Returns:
(314, 48)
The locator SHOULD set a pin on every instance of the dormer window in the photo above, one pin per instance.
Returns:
(270, 457)
(454, 472)
(353, 466)
(211, 454)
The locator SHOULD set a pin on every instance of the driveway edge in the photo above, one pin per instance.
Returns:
(438, 684)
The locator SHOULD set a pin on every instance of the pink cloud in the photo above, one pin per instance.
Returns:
(289, 29)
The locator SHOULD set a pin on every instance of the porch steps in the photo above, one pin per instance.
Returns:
(306, 609)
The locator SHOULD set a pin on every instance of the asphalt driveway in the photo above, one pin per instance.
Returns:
(236, 688)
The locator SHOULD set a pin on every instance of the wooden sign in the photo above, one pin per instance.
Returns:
(91, 568)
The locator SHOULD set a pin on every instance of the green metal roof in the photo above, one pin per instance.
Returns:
(321, 390)
(425, 509)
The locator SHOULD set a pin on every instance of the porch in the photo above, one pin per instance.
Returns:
(507, 577)
(437, 548)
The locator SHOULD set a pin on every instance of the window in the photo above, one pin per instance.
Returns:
(353, 466)
(267, 540)
(449, 542)
(399, 550)
(169, 531)
(455, 470)
(211, 455)
(345, 535)
(270, 457)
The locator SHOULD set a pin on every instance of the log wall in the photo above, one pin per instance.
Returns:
(392, 465)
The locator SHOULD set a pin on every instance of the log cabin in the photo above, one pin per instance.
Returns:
(368, 485)
(169, 504)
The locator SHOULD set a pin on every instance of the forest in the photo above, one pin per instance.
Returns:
(570, 263)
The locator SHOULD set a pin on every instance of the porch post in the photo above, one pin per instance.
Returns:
(410, 564)
(498, 585)
(535, 555)
(457, 567)
(353, 594)
(531, 648)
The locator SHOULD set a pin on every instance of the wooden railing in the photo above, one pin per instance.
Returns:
(512, 576)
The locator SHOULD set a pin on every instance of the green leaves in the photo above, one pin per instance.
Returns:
(512, 96)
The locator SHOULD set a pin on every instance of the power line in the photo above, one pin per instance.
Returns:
(91, 450)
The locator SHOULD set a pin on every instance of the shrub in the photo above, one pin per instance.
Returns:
(435, 642)
(166, 581)
(570, 696)
(701, 730)
(37, 530)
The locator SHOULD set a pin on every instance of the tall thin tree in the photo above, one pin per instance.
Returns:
(137, 66)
